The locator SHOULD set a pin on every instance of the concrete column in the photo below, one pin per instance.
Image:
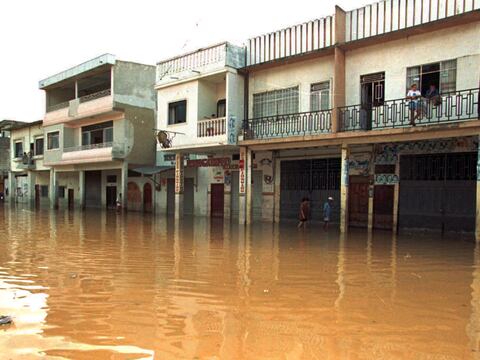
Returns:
(396, 192)
(371, 194)
(477, 222)
(123, 185)
(179, 186)
(53, 190)
(249, 166)
(344, 190)
(277, 189)
(338, 93)
(12, 191)
(81, 189)
(242, 186)
(31, 187)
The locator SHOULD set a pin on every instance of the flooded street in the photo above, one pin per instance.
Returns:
(99, 285)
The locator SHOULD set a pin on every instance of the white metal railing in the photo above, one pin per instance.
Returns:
(211, 127)
(193, 60)
(89, 147)
(392, 15)
(294, 40)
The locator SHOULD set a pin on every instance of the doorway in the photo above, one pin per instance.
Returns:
(37, 196)
(170, 196)
(383, 207)
(217, 200)
(147, 197)
(111, 197)
(372, 95)
(71, 199)
(358, 201)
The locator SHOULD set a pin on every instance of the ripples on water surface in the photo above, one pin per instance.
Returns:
(101, 286)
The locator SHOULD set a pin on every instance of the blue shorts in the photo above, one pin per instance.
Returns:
(412, 105)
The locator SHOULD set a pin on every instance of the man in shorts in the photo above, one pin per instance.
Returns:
(414, 105)
(327, 212)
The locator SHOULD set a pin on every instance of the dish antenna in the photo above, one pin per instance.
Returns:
(165, 137)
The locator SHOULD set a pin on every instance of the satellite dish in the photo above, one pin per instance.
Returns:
(164, 140)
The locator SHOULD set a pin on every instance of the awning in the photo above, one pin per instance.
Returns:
(152, 170)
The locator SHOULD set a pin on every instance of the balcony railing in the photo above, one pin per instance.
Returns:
(89, 147)
(94, 96)
(59, 106)
(448, 108)
(211, 127)
(27, 162)
(298, 124)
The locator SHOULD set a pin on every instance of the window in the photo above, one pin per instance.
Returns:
(44, 190)
(320, 96)
(18, 149)
(276, 102)
(442, 74)
(111, 178)
(98, 133)
(53, 140)
(39, 146)
(221, 108)
(61, 192)
(177, 112)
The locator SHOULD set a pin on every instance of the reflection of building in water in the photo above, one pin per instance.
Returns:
(473, 327)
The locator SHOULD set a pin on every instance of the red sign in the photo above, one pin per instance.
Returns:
(241, 163)
(211, 162)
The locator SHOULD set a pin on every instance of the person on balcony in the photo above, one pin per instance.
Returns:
(414, 95)
(433, 99)
(304, 214)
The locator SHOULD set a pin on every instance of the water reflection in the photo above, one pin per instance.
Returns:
(102, 285)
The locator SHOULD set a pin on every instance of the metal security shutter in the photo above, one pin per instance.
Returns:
(316, 179)
(438, 192)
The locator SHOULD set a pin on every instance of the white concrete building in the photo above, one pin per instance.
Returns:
(199, 114)
(28, 177)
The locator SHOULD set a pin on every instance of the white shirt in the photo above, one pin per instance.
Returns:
(413, 93)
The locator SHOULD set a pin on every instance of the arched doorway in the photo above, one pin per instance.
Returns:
(147, 197)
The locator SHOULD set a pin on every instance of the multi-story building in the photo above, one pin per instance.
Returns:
(98, 126)
(328, 116)
(28, 177)
(6, 127)
(199, 114)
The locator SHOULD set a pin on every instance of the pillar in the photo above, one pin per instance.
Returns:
(477, 218)
(242, 187)
(124, 185)
(344, 190)
(53, 191)
(31, 187)
(12, 191)
(81, 189)
(249, 188)
(338, 91)
(371, 193)
(396, 192)
(179, 186)
(277, 189)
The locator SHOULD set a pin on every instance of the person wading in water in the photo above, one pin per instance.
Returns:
(327, 212)
(304, 213)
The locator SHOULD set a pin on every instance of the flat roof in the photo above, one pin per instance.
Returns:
(78, 69)
(24, 125)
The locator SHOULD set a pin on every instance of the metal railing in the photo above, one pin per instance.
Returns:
(298, 124)
(447, 108)
(211, 127)
(94, 96)
(89, 147)
(58, 106)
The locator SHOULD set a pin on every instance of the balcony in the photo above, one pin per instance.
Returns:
(298, 124)
(26, 162)
(453, 107)
(106, 151)
(197, 63)
(211, 127)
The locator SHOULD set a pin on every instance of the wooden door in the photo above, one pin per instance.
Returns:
(71, 199)
(147, 197)
(383, 207)
(216, 200)
(358, 201)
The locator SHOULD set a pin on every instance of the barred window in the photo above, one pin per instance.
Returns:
(276, 102)
(320, 96)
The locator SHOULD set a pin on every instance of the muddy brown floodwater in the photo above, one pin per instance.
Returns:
(99, 285)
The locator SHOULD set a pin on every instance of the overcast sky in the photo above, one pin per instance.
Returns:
(42, 38)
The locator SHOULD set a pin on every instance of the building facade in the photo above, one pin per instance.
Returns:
(327, 108)
(6, 127)
(28, 176)
(98, 127)
(199, 115)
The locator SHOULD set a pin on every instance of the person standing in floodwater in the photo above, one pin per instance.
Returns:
(304, 213)
(327, 212)
(119, 202)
